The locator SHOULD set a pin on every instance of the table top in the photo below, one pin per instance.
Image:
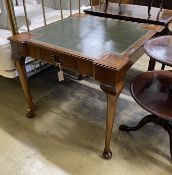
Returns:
(133, 13)
(93, 46)
(153, 91)
(160, 49)
(91, 36)
(104, 42)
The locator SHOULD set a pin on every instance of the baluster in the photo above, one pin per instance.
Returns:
(79, 6)
(43, 11)
(61, 9)
(91, 3)
(70, 8)
(25, 13)
(11, 16)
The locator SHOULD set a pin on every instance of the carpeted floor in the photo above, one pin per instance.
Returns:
(67, 134)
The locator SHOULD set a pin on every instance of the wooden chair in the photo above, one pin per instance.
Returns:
(153, 90)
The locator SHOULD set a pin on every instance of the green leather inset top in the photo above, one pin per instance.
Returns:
(91, 36)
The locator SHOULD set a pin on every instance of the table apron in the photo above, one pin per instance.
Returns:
(72, 62)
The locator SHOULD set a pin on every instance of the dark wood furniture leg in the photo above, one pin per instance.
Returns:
(163, 66)
(166, 124)
(20, 66)
(112, 96)
(120, 2)
(106, 6)
(152, 63)
(17, 3)
(150, 2)
(161, 5)
(80, 77)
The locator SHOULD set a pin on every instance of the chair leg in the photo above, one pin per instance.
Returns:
(144, 121)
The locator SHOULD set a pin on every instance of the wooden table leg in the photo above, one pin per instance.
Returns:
(163, 66)
(20, 66)
(17, 3)
(152, 63)
(150, 3)
(106, 6)
(120, 2)
(161, 5)
(112, 96)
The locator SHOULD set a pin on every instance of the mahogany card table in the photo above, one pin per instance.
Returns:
(98, 47)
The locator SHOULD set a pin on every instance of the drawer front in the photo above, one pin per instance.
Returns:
(53, 57)
(56, 57)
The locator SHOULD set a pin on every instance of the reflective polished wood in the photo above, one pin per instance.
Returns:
(159, 49)
(153, 91)
(98, 47)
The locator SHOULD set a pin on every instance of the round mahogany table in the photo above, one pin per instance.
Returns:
(153, 91)
(159, 49)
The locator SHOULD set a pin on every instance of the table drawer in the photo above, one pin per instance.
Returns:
(54, 57)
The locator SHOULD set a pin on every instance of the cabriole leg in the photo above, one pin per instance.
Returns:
(112, 96)
(20, 66)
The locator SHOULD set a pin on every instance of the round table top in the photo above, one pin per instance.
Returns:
(153, 91)
(160, 49)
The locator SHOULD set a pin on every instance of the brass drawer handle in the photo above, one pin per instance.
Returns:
(56, 59)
